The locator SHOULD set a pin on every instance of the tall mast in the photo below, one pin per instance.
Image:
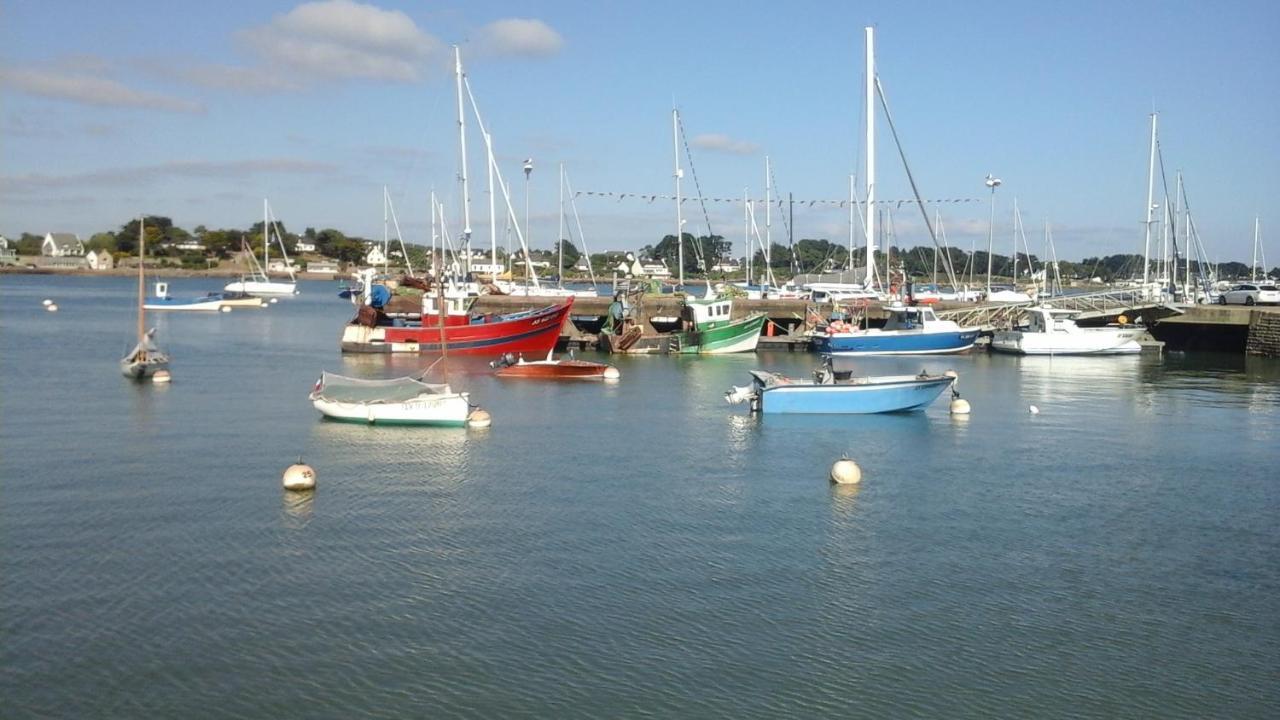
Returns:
(493, 217)
(768, 215)
(142, 259)
(1151, 189)
(852, 207)
(675, 141)
(1177, 213)
(1253, 266)
(746, 230)
(560, 236)
(434, 235)
(266, 236)
(462, 142)
(871, 157)
(386, 249)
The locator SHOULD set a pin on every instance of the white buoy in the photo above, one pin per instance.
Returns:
(1033, 410)
(161, 376)
(51, 307)
(846, 472)
(951, 374)
(275, 300)
(612, 373)
(46, 302)
(225, 308)
(299, 477)
(960, 406)
(479, 419)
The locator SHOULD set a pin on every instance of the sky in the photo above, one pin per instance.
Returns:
(198, 111)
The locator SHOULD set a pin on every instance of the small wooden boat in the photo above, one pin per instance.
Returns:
(510, 366)
(772, 393)
(397, 401)
(145, 359)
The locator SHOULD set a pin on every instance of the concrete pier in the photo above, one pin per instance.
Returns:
(1222, 328)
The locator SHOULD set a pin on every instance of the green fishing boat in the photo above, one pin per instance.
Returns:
(707, 327)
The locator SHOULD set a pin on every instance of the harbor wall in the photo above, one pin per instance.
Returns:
(1264, 334)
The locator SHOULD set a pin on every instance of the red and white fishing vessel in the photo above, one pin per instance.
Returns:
(529, 331)
(511, 366)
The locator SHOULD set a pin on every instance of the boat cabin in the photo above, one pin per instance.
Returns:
(707, 314)
(1046, 319)
(909, 317)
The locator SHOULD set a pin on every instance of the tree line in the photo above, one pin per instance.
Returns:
(700, 253)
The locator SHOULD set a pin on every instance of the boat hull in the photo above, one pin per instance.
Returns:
(262, 288)
(447, 411)
(533, 333)
(876, 342)
(556, 370)
(1086, 341)
(736, 337)
(883, 395)
(174, 304)
(141, 370)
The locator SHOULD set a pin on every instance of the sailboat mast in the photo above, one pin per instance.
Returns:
(675, 143)
(142, 260)
(493, 216)
(266, 237)
(768, 215)
(1253, 265)
(434, 236)
(560, 236)
(462, 143)
(746, 231)
(871, 157)
(1151, 189)
(385, 248)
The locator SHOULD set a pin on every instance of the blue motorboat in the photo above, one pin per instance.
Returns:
(910, 330)
(826, 394)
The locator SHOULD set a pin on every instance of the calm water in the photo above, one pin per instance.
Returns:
(631, 550)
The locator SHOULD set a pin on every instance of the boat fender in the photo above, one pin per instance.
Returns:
(479, 419)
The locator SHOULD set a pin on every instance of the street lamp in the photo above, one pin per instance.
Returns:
(993, 183)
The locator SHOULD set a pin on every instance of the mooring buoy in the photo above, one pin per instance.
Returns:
(846, 472)
(299, 476)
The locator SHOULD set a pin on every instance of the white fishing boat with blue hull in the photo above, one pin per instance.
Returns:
(774, 394)
(910, 330)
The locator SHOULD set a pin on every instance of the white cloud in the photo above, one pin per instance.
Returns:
(36, 183)
(717, 142)
(519, 36)
(232, 77)
(343, 39)
(89, 89)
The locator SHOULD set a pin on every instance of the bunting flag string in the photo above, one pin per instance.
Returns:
(781, 203)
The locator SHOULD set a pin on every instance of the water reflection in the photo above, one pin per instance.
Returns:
(297, 507)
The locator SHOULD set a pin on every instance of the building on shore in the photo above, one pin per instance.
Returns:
(100, 260)
(62, 245)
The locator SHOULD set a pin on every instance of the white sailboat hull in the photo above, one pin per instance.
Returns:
(262, 288)
(451, 409)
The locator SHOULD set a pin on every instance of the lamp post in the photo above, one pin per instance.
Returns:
(993, 183)
(528, 170)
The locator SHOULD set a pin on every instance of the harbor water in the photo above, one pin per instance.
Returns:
(638, 549)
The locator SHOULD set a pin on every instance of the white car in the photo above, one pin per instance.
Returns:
(1250, 294)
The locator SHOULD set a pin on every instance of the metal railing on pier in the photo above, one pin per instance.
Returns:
(995, 316)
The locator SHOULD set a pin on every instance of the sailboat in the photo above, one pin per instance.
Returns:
(258, 283)
(145, 360)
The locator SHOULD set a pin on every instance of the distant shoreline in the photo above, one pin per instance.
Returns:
(152, 271)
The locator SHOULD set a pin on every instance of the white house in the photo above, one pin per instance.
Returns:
(100, 260)
(190, 246)
(726, 266)
(655, 269)
(323, 266)
(583, 264)
(7, 254)
(304, 246)
(375, 256)
(61, 245)
(280, 266)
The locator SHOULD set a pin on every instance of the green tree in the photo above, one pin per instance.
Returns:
(571, 253)
(29, 244)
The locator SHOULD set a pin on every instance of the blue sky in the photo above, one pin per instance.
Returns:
(199, 110)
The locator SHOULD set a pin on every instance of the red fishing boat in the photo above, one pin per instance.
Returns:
(511, 366)
(458, 331)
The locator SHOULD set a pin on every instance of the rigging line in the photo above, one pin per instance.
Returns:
(1169, 219)
(884, 102)
(697, 244)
